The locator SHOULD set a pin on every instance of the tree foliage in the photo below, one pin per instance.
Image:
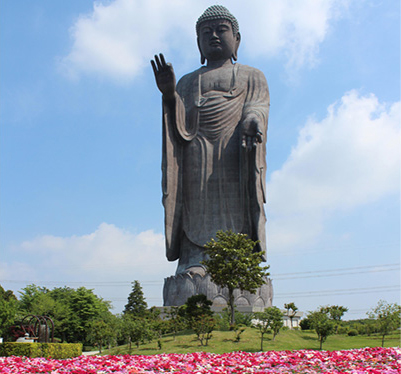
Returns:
(72, 311)
(8, 310)
(322, 324)
(232, 263)
(199, 317)
(387, 317)
(271, 319)
(335, 313)
(136, 304)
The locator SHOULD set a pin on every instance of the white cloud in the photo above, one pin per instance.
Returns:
(109, 250)
(350, 158)
(118, 38)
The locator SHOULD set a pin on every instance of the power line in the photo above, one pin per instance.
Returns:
(342, 269)
(332, 272)
(276, 277)
(349, 291)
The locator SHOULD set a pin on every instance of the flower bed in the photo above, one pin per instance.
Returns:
(367, 360)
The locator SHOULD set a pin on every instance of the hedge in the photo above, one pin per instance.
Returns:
(53, 350)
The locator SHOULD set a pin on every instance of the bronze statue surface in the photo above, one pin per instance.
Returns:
(214, 144)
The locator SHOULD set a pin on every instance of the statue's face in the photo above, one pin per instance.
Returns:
(216, 40)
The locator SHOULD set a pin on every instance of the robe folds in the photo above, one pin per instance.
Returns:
(209, 181)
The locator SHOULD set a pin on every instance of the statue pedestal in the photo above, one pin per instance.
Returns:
(178, 288)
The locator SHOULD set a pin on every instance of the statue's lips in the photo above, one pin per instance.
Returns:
(215, 44)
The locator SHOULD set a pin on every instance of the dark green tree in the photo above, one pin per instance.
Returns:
(322, 324)
(199, 317)
(8, 310)
(85, 307)
(291, 309)
(387, 317)
(136, 301)
(233, 264)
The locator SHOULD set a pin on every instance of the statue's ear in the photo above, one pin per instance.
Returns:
(202, 57)
(235, 53)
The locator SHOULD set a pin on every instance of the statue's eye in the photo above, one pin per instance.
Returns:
(222, 29)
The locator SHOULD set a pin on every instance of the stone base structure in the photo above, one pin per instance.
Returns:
(178, 288)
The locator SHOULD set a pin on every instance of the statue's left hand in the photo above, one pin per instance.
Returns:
(251, 132)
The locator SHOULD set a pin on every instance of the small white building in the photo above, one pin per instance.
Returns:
(295, 319)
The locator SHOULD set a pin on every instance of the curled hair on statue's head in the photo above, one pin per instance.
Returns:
(215, 12)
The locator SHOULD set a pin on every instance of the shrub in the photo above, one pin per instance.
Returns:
(342, 330)
(352, 332)
(305, 324)
(53, 350)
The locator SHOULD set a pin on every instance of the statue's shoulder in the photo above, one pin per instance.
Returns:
(249, 70)
(189, 78)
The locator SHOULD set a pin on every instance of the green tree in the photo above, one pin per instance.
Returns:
(233, 264)
(203, 327)
(8, 310)
(199, 317)
(291, 312)
(270, 319)
(135, 330)
(335, 312)
(387, 317)
(29, 301)
(72, 311)
(100, 333)
(136, 301)
(175, 320)
(322, 324)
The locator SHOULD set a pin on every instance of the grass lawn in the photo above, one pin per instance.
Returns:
(223, 341)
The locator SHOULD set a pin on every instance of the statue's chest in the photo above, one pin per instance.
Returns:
(220, 80)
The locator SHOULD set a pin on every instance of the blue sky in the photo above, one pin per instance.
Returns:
(80, 137)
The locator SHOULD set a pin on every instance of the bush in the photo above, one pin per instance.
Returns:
(342, 330)
(305, 324)
(352, 332)
(223, 319)
(53, 350)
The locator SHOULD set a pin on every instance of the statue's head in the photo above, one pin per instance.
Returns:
(218, 34)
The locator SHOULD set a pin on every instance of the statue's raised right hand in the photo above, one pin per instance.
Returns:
(164, 75)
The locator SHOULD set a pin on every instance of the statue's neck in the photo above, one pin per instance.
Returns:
(219, 63)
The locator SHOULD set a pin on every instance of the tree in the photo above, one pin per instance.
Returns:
(175, 321)
(29, 302)
(322, 324)
(233, 264)
(387, 317)
(291, 307)
(199, 317)
(100, 333)
(135, 329)
(270, 319)
(136, 301)
(335, 312)
(85, 308)
(8, 310)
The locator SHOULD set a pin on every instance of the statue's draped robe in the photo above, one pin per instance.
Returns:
(210, 182)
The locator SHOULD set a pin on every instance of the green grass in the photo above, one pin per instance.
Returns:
(223, 341)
